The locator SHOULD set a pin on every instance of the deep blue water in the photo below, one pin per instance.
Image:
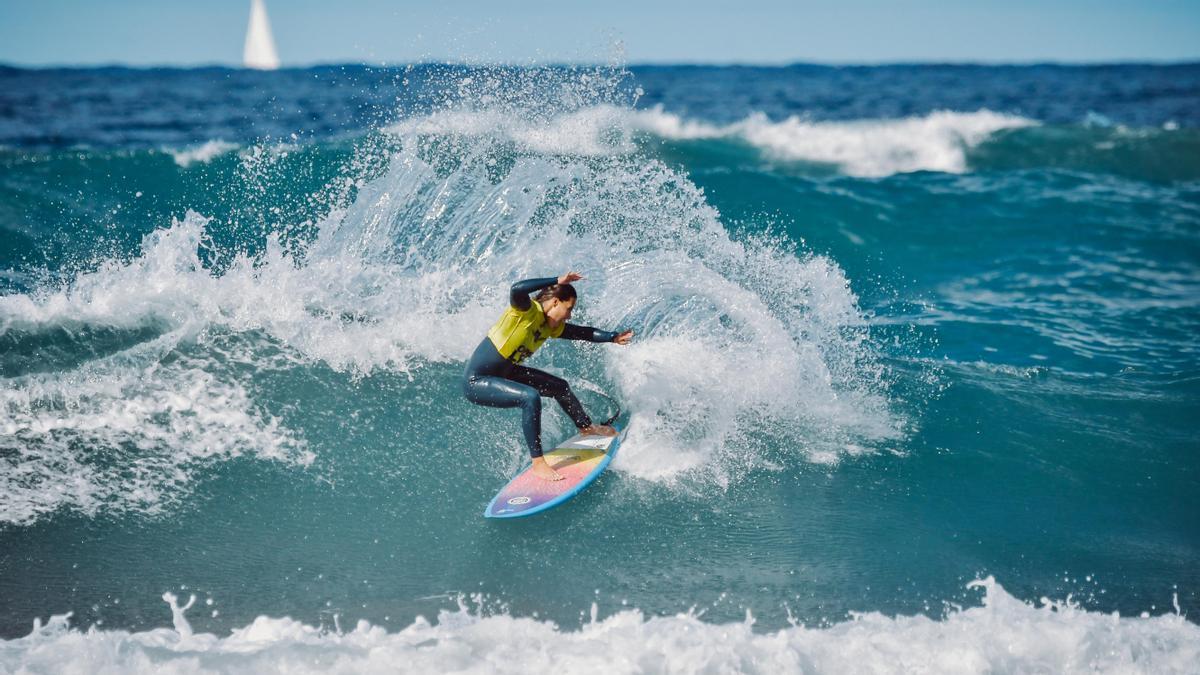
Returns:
(897, 328)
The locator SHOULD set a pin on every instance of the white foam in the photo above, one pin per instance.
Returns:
(201, 154)
(938, 141)
(1004, 635)
(126, 433)
(935, 142)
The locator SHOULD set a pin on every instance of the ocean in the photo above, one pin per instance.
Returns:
(914, 386)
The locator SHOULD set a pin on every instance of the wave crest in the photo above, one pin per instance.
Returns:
(938, 141)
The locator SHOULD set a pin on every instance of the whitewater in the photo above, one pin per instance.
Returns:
(1004, 635)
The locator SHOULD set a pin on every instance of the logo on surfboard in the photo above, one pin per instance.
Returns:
(517, 501)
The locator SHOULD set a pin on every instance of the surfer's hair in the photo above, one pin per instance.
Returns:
(561, 291)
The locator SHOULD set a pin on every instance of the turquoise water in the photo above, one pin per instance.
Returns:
(884, 348)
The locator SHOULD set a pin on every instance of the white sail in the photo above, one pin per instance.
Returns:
(260, 45)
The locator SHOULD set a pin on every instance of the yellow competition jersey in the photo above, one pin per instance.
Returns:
(518, 334)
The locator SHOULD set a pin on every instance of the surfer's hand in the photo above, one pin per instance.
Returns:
(569, 277)
(624, 337)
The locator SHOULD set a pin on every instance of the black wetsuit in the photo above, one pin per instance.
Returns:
(491, 380)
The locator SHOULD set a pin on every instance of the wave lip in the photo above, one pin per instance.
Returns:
(1003, 635)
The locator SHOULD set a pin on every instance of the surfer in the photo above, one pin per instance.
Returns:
(494, 377)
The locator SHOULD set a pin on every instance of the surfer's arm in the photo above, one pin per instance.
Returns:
(518, 296)
(574, 332)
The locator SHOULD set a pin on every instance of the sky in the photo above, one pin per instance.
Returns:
(183, 33)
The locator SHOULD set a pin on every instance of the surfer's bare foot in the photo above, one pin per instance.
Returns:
(598, 430)
(544, 471)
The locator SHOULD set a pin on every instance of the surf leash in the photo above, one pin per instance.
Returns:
(616, 405)
(596, 390)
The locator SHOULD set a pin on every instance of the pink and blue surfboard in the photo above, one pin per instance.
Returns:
(580, 459)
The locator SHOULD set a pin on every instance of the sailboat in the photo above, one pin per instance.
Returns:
(259, 52)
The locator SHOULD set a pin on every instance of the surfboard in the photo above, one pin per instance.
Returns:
(580, 459)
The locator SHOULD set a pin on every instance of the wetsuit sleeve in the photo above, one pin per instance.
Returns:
(518, 297)
(574, 332)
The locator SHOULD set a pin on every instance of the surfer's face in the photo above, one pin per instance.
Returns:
(558, 311)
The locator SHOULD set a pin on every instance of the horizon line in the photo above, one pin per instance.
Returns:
(218, 65)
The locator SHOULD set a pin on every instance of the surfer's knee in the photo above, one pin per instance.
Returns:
(530, 399)
(556, 387)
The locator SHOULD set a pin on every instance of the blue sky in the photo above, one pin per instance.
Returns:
(175, 32)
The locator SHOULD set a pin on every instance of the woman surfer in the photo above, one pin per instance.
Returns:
(494, 378)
